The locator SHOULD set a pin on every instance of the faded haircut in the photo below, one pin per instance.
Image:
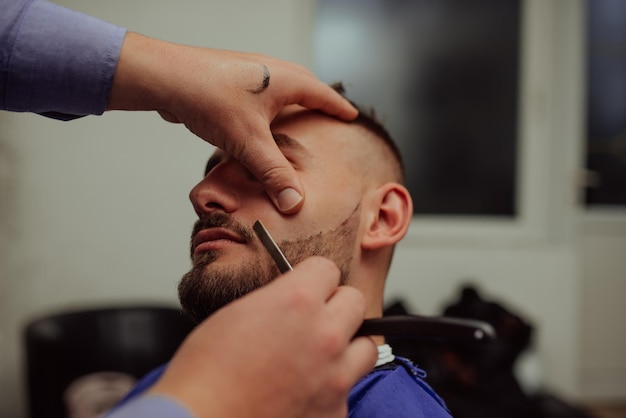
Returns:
(368, 119)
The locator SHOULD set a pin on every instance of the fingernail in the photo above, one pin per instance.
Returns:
(288, 199)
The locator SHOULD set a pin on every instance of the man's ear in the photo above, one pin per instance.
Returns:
(390, 217)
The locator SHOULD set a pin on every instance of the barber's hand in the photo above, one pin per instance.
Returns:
(283, 351)
(227, 98)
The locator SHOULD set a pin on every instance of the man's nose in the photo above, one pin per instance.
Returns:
(224, 188)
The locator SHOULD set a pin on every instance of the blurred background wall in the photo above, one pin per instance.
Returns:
(95, 211)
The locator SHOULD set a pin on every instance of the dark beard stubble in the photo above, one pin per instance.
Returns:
(207, 288)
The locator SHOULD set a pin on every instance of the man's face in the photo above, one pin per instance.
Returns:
(228, 260)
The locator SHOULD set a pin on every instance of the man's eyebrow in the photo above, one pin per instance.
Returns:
(213, 161)
(282, 140)
(285, 141)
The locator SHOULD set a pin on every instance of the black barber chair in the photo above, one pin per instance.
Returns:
(479, 381)
(80, 363)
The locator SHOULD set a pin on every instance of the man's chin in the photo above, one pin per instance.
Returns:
(209, 287)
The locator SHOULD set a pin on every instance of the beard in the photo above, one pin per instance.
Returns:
(207, 288)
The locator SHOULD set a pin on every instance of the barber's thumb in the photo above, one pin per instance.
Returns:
(280, 180)
(285, 191)
(288, 200)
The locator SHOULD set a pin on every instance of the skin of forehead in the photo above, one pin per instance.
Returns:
(369, 155)
(313, 130)
(358, 151)
(309, 132)
(361, 145)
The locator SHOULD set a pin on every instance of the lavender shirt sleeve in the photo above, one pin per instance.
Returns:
(150, 406)
(55, 61)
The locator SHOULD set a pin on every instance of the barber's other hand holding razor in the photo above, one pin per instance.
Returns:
(305, 313)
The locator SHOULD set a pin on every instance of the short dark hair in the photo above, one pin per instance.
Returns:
(368, 119)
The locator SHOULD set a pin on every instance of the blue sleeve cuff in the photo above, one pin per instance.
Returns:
(62, 61)
(150, 406)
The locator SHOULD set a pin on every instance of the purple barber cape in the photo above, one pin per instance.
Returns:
(393, 390)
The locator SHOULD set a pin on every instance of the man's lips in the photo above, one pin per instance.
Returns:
(211, 238)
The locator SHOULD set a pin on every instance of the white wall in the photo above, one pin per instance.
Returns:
(602, 250)
(96, 210)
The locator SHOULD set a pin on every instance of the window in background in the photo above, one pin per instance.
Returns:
(443, 77)
(606, 102)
